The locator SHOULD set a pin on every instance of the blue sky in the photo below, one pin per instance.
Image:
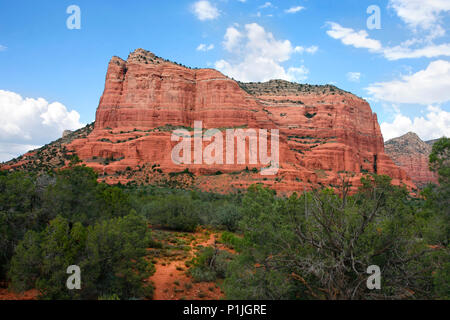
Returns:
(52, 77)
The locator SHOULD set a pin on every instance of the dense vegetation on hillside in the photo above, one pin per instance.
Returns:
(50, 222)
(316, 245)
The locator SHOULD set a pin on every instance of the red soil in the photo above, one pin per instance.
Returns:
(170, 279)
(5, 294)
(172, 283)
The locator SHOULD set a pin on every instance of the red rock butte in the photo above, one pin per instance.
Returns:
(412, 154)
(324, 131)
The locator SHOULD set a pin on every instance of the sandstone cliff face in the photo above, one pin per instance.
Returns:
(146, 92)
(411, 153)
(324, 131)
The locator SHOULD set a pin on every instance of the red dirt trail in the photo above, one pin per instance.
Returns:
(172, 283)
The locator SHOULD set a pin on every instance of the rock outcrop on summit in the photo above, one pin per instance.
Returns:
(412, 154)
(324, 132)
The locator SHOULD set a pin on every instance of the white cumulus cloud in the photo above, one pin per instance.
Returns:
(420, 14)
(311, 50)
(428, 86)
(26, 123)
(204, 10)
(353, 76)
(266, 5)
(294, 9)
(232, 38)
(205, 47)
(348, 36)
(258, 56)
(361, 39)
(434, 125)
(428, 51)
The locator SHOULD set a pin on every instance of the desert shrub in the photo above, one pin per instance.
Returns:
(13, 227)
(201, 208)
(155, 244)
(202, 275)
(41, 259)
(25, 265)
(319, 245)
(62, 244)
(28, 202)
(209, 264)
(113, 297)
(18, 192)
(441, 282)
(111, 254)
(117, 264)
(20, 197)
(174, 212)
(77, 196)
(228, 215)
(231, 240)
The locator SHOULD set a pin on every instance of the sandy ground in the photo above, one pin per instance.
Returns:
(172, 283)
(7, 295)
(170, 279)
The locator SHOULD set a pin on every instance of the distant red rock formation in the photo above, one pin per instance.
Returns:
(412, 154)
(324, 131)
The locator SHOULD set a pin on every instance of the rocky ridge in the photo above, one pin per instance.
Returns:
(325, 132)
(412, 154)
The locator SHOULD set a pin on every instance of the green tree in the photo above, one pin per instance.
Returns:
(116, 259)
(19, 204)
(112, 202)
(73, 196)
(228, 215)
(26, 263)
(112, 255)
(320, 245)
(77, 196)
(41, 260)
(62, 245)
(440, 159)
(176, 212)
